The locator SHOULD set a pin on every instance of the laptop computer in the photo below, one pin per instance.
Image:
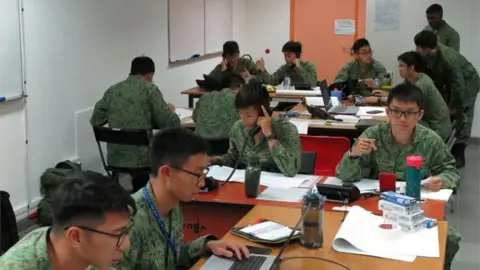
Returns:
(341, 110)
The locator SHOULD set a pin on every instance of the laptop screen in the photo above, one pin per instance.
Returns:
(326, 96)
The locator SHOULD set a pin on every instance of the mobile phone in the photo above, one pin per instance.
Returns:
(387, 182)
(374, 111)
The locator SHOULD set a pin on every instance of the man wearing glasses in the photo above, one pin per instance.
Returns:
(179, 163)
(384, 148)
(363, 67)
(91, 218)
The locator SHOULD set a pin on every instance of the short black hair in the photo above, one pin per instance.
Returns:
(293, 46)
(142, 65)
(88, 196)
(232, 81)
(173, 146)
(230, 48)
(426, 39)
(435, 8)
(405, 92)
(360, 43)
(414, 59)
(253, 94)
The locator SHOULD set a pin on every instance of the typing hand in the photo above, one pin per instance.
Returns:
(379, 93)
(370, 82)
(224, 64)
(227, 249)
(435, 183)
(261, 64)
(363, 146)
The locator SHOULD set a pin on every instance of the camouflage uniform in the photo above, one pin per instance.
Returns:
(446, 35)
(285, 157)
(243, 64)
(132, 104)
(215, 114)
(459, 83)
(389, 157)
(353, 70)
(30, 253)
(306, 73)
(149, 249)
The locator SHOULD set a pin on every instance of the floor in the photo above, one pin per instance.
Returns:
(465, 219)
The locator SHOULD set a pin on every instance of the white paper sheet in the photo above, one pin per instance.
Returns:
(183, 113)
(360, 234)
(302, 125)
(387, 14)
(362, 111)
(282, 194)
(314, 101)
(268, 230)
(310, 93)
(441, 195)
(344, 27)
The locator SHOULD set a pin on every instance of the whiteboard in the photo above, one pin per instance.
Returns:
(10, 49)
(186, 28)
(218, 24)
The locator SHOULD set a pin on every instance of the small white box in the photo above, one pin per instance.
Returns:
(395, 208)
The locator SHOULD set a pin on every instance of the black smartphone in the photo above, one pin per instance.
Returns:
(259, 250)
(374, 112)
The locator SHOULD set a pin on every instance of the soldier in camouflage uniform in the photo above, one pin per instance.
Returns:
(436, 115)
(179, 164)
(135, 103)
(373, 151)
(458, 82)
(91, 218)
(445, 33)
(232, 63)
(215, 113)
(276, 145)
(363, 67)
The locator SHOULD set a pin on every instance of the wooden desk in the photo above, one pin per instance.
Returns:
(219, 210)
(332, 222)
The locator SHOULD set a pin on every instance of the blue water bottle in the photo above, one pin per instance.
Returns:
(413, 177)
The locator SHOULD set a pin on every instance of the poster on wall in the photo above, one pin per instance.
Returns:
(387, 15)
(344, 27)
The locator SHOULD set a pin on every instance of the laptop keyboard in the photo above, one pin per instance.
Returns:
(252, 263)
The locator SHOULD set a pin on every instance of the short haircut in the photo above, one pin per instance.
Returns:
(87, 197)
(435, 8)
(405, 92)
(142, 65)
(426, 39)
(230, 48)
(294, 47)
(414, 59)
(232, 81)
(360, 43)
(253, 94)
(173, 147)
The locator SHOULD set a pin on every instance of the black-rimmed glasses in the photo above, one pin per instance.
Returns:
(120, 236)
(399, 113)
(198, 175)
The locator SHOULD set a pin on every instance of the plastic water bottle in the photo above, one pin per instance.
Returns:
(287, 82)
(252, 178)
(413, 177)
(377, 83)
(312, 225)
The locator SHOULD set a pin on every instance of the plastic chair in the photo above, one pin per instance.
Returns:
(330, 151)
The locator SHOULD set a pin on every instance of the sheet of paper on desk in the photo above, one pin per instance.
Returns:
(282, 194)
(362, 111)
(302, 125)
(360, 234)
(314, 101)
(183, 113)
(268, 230)
(311, 93)
(441, 195)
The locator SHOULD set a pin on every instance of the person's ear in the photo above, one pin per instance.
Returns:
(420, 116)
(164, 171)
(73, 235)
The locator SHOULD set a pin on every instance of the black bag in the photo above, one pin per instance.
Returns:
(8, 224)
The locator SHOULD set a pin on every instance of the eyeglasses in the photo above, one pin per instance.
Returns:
(120, 236)
(399, 113)
(365, 53)
(198, 175)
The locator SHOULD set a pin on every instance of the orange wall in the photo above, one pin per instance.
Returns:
(312, 23)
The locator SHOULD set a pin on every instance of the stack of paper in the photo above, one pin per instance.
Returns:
(360, 233)
(282, 194)
(183, 113)
(268, 230)
(314, 101)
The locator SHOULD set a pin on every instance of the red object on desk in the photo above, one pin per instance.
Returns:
(387, 182)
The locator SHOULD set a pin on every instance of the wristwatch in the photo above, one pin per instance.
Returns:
(350, 155)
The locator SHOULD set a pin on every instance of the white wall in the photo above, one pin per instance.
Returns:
(460, 14)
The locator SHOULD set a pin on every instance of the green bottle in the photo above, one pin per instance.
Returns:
(252, 178)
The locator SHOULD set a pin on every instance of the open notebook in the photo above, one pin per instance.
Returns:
(360, 234)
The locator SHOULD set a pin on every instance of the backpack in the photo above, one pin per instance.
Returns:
(8, 223)
(49, 182)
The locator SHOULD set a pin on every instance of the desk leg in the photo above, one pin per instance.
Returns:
(190, 101)
(204, 218)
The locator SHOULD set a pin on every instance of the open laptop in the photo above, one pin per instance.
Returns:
(342, 110)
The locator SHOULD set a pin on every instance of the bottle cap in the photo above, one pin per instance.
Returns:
(314, 199)
(414, 161)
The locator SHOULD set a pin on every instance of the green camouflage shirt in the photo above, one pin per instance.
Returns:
(306, 73)
(284, 157)
(148, 248)
(215, 114)
(454, 76)
(132, 104)
(353, 70)
(390, 157)
(30, 253)
(446, 35)
(243, 64)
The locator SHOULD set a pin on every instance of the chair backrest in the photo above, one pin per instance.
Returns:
(140, 137)
(218, 146)
(307, 165)
(329, 151)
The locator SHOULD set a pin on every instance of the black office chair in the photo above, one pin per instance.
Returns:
(307, 163)
(218, 146)
(122, 137)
